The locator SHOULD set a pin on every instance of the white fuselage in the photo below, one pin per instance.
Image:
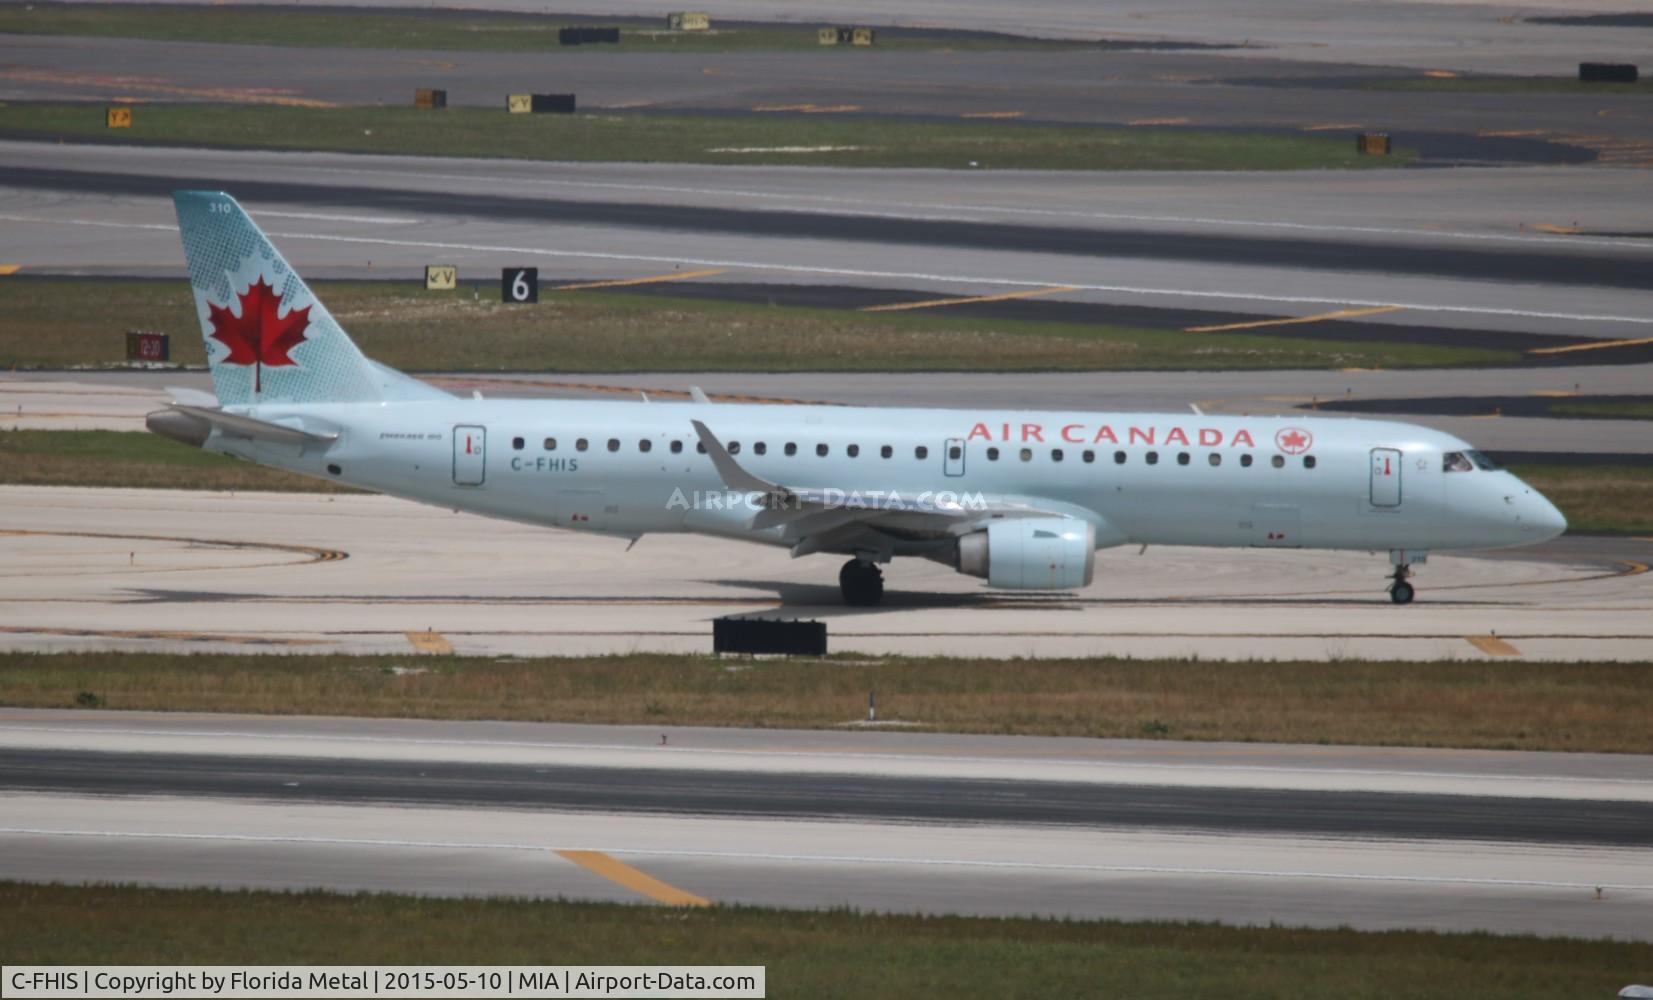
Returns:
(630, 468)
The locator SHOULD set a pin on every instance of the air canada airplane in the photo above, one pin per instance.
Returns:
(1020, 499)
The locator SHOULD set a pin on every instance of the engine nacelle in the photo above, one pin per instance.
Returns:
(1031, 553)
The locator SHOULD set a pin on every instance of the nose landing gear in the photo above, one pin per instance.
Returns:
(1400, 591)
(862, 583)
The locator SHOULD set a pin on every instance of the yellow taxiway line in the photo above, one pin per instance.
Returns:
(623, 874)
(1291, 321)
(430, 642)
(10, 268)
(1597, 345)
(1027, 293)
(1492, 645)
(674, 276)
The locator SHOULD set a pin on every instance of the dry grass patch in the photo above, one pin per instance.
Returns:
(135, 460)
(1496, 705)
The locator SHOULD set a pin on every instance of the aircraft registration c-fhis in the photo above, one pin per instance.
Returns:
(1023, 500)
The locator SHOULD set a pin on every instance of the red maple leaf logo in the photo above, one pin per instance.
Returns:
(1293, 441)
(259, 336)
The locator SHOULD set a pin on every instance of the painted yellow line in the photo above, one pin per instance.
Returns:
(674, 276)
(1340, 314)
(1545, 227)
(992, 114)
(1554, 393)
(1440, 74)
(1004, 297)
(1492, 645)
(623, 874)
(429, 642)
(1330, 126)
(1593, 346)
(808, 109)
(10, 268)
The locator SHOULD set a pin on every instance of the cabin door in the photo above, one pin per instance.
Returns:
(469, 451)
(1385, 477)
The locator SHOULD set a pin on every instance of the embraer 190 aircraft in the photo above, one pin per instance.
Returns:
(1021, 499)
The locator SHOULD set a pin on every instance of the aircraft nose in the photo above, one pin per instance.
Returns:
(1541, 517)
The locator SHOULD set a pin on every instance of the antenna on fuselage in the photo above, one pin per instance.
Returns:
(697, 395)
(1196, 408)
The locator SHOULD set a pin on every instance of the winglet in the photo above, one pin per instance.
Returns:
(730, 471)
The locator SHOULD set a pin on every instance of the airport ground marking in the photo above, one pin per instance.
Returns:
(430, 642)
(1158, 121)
(1027, 293)
(847, 859)
(1292, 321)
(10, 268)
(853, 272)
(1546, 227)
(652, 279)
(600, 863)
(1594, 345)
(1331, 126)
(1492, 645)
(992, 114)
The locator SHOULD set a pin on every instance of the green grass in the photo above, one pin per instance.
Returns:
(1597, 499)
(1454, 703)
(805, 953)
(1642, 410)
(660, 138)
(1506, 85)
(142, 460)
(51, 323)
(452, 30)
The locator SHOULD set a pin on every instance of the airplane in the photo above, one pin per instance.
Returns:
(1021, 499)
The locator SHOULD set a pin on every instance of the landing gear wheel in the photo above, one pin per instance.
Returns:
(1401, 592)
(862, 584)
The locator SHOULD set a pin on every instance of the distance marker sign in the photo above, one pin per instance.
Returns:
(519, 284)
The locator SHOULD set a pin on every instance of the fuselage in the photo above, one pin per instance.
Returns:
(631, 468)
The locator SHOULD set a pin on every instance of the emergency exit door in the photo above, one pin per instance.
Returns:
(1385, 477)
(469, 449)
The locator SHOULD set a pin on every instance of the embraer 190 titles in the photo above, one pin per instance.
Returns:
(1021, 499)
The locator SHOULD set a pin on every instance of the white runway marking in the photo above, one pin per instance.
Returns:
(841, 859)
(849, 272)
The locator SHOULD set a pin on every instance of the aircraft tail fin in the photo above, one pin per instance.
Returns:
(268, 338)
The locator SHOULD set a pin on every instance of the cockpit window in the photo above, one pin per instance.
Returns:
(1456, 461)
(1483, 463)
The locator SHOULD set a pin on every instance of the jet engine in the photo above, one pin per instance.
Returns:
(1031, 553)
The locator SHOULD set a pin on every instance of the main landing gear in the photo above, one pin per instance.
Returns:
(862, 583)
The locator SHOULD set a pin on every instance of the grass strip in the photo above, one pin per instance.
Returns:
(68, 323)
(460, 30)
(806, 139)
(1614, 500)
(1468, 703)
(1597, 499)
(834, 953)
(1625, 410)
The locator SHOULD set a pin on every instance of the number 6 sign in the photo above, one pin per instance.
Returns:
(519, 284)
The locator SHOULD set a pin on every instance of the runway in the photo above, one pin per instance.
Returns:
(176, 570)
(1320, 836)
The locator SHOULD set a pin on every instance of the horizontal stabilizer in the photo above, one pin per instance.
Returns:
(192, 424)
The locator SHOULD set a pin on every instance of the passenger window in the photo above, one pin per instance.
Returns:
(700, 446)
(550, 444)
(886, 451)
(1215, 459)
(1089, 456)
(1055, 454)
(992, 454)
(1027, 454)
(1119, 458)
(791, 448)
(613, 444)
(921, 453)
(1153, 458)
(1308, 461)
(734, 447)
(644, 445)
(580, 445)
(1182, 458)
(1278, 461)
(955, 453)
(821, 450)
(853, 450)
(1245, 461)
(760, 448)
(1456, 461)
(677, 447)
(517, 443)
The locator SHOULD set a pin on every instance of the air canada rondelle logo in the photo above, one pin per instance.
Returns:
(258, 337)
(1293, 440)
